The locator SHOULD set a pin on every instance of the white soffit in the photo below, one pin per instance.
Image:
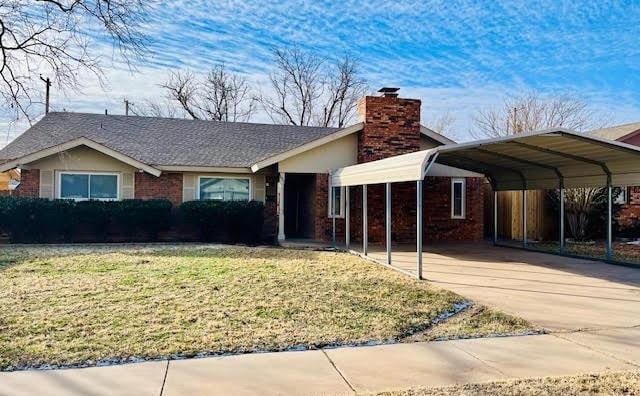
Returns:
(535, 160)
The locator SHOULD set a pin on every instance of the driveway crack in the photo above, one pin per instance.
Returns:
(338, 371)
(596, 350)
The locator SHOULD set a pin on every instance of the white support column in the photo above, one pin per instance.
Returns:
(609, 219)
(562, 239)
(524, 218)
(495, 217)
(419, 228)
(332, 210)
(365, 232)
(281, 235)
(347, 237)
(388, 222)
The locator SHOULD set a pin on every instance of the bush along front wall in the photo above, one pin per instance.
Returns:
(38, 220)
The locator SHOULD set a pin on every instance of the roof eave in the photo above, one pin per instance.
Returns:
(82, 141)
(307, 146)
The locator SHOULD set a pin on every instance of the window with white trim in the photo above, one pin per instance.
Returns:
(458, 194)
(336, 203)
(621, 198)
(224, 188)
(87, 185)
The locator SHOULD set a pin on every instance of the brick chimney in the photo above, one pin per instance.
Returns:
(391, 125)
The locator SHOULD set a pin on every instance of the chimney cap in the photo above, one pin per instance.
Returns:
(387, 90)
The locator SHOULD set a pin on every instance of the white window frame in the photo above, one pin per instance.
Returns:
(623, 197)
(463, 182)
(340, 214)
(225, 177)
(59, 184)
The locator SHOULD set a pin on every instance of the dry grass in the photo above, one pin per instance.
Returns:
(621, 383)
(477, 321)
(77, 306)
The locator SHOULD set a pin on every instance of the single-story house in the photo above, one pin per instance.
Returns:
(108, 157)
(629, 198)
(385, 179)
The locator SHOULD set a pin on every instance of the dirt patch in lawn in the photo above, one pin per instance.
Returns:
(78, 308)
(620, 383)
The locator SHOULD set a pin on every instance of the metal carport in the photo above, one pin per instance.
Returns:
(548, 159)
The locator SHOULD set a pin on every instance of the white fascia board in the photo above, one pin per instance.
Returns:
(75, 143)
(435, 135)
(204, 169)
(308, 146)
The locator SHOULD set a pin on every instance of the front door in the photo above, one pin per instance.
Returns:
(298, 206)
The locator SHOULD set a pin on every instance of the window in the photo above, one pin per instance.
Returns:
(336, 207)
(621, 199)
(224, 189)
(457, 198)
(84, 186)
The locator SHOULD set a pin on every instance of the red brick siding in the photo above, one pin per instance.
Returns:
(167, 185)
(629, 213)
(391, 127)
(438, 224)
(270, 229)
(29, 183)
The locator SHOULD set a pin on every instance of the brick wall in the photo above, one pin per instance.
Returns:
(629, 213)
(437, 222)
(29, 183)
(168, 185)
(391, 127)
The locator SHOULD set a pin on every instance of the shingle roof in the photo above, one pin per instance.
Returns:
(167, 141)
(616, 132)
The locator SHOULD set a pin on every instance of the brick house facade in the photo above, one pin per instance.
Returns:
(389, 126)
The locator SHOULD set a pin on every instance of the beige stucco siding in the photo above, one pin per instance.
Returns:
(337, 154)
(256, 184)
(83, 159)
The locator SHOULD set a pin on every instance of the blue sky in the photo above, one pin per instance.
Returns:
(457, 56)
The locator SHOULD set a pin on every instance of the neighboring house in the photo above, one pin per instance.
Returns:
(629, 198)
(9, 180)
(94, 156)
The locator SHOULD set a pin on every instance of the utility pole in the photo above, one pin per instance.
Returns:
(46, 101)
(126, 106)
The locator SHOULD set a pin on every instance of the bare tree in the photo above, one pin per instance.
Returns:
(443, 124)
(221, 96)
(530, 112)
(52, 38)
(165, 108)
(310, 90)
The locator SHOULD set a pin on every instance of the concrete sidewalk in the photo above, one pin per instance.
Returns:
(347, 370)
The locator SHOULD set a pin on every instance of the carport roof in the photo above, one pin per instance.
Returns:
(534, 160)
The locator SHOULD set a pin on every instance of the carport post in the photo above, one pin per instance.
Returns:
(609, 220)
(495, 217)
(419, 227)
(388, 225)
(347, 239)
(365, 234)
(562, 217)
(524, 218)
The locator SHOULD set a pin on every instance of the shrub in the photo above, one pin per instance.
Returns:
(232, 222)
(40, 220)
(148, 217)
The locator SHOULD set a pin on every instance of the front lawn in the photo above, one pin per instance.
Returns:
(79, 307)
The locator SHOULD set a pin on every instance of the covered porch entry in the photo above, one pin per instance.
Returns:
(550, 159)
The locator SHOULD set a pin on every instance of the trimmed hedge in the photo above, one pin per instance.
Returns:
(231, 222)
(39, 220)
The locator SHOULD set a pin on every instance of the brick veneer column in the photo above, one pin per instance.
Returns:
(29, 183)
(167, 185)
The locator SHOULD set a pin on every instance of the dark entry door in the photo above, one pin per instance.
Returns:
(298, 206)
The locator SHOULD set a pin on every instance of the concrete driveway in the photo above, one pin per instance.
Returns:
(557, 293)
